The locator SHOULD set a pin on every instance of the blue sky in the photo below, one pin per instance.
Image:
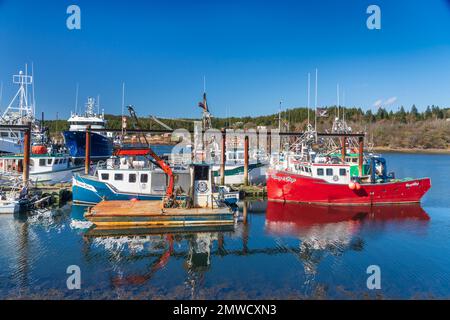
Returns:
(252, 53)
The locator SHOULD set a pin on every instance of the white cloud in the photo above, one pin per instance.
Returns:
(377, 103)
(390, 101)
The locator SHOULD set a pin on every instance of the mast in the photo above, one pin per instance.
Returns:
(76, 100)
(309, 93)
(32, 90)
(337, 104)
(315, 120)
(123, 107)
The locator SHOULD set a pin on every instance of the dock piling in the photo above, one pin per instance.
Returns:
(87, 161)
(223, 158)
(360, 155)
(26, 153)
(246, 146)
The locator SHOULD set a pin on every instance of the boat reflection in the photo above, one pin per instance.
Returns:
(157, 246)
(292, 218)
(332, 230)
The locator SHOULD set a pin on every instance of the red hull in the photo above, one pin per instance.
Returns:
(289, 187)
(295, 218)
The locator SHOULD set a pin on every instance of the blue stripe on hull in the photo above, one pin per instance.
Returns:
(75, 142)
(103, 192)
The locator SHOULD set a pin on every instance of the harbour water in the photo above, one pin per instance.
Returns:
(309, 254)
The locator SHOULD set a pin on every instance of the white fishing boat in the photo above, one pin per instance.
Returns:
(20, 111)
(47, 168)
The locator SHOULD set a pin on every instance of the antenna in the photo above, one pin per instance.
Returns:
(204, 84)
(76, 99)
(98, 104)
(1, 93)
(343, 105)
(315, 120)
(309, 93)
(337, 105)
(123, 105)
(32, 88)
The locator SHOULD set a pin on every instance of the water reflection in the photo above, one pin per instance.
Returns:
(186, 263)
(323, 230)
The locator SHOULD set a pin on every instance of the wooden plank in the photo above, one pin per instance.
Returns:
(148, 208)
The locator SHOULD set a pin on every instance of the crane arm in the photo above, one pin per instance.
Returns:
(160, 162)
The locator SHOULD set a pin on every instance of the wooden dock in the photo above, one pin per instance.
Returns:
(150, 213)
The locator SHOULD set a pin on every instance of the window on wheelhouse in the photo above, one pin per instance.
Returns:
(132, 177)
(105, 176)
(49, 161)
(342, 172)
(320, 171)
(41, 162)
(329, 171)
(118, 176)
(144, 178)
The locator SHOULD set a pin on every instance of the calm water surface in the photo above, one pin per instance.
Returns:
(273, 251)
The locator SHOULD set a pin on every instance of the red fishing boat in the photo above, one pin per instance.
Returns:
(343, 179)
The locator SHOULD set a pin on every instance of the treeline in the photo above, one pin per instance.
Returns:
(403, 128)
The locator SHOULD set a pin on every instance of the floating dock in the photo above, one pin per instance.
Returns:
(150, 213)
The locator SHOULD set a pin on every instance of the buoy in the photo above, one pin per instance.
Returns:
(358, 186)
(352, 186)
(39, 149)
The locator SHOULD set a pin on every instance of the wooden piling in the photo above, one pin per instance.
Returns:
(246, 146)
(87, 157)
(361, 155)
(223, 158)
(26, 153)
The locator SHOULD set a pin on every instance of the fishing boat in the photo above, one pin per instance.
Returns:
(234, 154)
(330, 180)
(200, 206)
(20, 111)
(133, 173)
(75, 137)
(46, 166)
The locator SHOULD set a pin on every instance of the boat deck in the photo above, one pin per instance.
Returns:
(145, 213)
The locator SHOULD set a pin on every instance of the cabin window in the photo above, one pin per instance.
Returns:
(49, 161)
(105, 176)
(342, 172)
(132, 177)
(144, 178)
(41, 162)
(329, 171)
(201, 173)
(118, 176)
(354, 160)
(320, 172)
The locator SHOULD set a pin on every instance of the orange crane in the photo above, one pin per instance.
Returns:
(169, 199)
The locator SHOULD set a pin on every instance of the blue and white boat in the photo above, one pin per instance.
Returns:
(127, 178)
(75, 137)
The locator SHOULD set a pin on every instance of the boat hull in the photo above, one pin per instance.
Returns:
(75, 141)
(90, 191)
(285, 186)
(234, 173)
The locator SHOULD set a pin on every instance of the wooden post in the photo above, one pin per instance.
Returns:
(26, 154)
(343, 140)
(223, 158)
(87, 156)
(360, 155)
(246, 146)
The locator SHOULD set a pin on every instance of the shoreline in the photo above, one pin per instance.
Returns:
(411, 150)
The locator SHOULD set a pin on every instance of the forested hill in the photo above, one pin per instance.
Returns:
(405, 128)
